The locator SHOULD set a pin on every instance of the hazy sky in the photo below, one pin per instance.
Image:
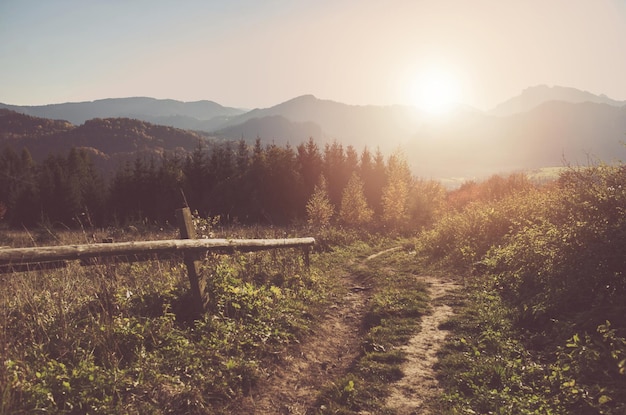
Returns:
(247, 53)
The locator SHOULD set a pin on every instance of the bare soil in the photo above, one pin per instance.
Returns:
(411, 394)
(293, 384)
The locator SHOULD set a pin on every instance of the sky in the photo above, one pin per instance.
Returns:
(256, 54)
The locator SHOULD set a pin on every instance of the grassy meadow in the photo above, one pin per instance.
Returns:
(539, 329)
(119, 338)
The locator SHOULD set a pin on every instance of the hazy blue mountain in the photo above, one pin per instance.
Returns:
(374, 126)
(110, 141)
(537, 95)
(555, 133)
(272, 128)
(543, 127)
(206, 115)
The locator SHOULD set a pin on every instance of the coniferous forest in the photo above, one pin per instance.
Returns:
(239, 183)
(313, 207)
(538, 324)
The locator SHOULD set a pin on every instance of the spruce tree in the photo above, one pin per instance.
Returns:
(354, 210)
(395, 194)
(319, 208)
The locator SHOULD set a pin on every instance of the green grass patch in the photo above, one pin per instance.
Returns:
(485, 368)
(543, 329)
(120, 338)
(392, 318)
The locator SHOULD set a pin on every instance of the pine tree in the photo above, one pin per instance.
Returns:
(319, 209)
(197, 182)
(396, 192)
(310, 166)
(334, 168)
(354, 209)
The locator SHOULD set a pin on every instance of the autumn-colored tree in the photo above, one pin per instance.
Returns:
(494, 188)
(396, 192)
(372, 172)
(426, 203)
(354, 209)
(319, 209)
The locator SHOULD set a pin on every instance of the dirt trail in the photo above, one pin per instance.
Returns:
(410, 394)
(292, 386)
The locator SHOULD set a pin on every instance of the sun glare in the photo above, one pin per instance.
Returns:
(436, 91)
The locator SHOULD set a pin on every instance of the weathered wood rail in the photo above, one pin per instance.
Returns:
(14, 256)
(25, 259)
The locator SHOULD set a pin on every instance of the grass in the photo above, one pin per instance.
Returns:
(542, 330)
(120, 337)
(392, 317)
(484, 367)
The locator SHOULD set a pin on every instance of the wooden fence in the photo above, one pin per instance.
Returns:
(22, 259)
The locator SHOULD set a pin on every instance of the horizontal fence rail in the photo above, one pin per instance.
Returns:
(48, 257)
(14, 256)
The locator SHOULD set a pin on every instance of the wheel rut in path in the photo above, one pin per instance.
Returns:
(410, 394)
(292, 386)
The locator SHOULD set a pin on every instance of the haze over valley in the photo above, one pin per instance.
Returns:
(313, 206)
(464, 89)
(541, 127)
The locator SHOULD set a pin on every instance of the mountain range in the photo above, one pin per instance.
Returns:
(199, 115)
(542, 127)
(537, 95)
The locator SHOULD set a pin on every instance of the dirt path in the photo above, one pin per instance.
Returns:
(292, 386)
(410, 394)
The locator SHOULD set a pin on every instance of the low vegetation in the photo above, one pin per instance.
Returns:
(542, 329)
(539, 329)
(116, 338)
(392, 317)
(236, 182)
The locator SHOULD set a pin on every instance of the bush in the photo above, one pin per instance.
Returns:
(554, 256)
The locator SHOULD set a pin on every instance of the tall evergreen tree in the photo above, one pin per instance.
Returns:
(256, 178)
(354, 210)
(319, 208)
(396, 192)
(334, 168)
(85, 182)
(197, 180)
(309, 165)
(18, 187)
(282, 184)
(169, 183)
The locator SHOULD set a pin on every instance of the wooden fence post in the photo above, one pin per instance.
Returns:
(188, 231)
(307, 262)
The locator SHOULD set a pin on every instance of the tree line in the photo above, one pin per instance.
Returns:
(235, 181)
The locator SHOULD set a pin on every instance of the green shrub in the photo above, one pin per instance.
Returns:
(119, 338)
(554, 256)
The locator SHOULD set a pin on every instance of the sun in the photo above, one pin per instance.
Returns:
(436, 91)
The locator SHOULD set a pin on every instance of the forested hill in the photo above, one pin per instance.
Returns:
(201, 115)
(16, 126)
(239, 183)
(108, 140)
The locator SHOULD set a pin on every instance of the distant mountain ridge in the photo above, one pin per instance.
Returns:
(350, 124)
(534, 96)
(109, 141)
(199, 115)
(553, 134)
(275, 128)
(542, 127)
